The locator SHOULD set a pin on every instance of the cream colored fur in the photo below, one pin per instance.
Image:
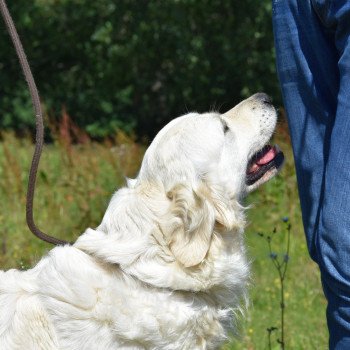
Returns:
(166, 268)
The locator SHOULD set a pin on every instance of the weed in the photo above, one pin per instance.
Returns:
(280, 262)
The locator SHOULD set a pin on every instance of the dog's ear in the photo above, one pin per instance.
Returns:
(190, 226)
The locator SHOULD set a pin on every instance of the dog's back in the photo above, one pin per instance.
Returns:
(24, 323)
(71, 301)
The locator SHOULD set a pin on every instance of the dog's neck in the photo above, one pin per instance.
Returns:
(130, 237)
(215, 275)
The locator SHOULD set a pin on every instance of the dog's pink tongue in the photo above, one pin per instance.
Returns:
(267, 157)
(252, 168)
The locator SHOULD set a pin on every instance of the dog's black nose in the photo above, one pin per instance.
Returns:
(264, 98)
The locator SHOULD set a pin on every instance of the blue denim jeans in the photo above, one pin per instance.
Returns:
(312, 39)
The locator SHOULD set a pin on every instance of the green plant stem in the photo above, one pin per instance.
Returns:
(282, 312)
(281, 269)
(270, 344)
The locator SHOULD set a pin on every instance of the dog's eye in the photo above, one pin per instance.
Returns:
(225, 127)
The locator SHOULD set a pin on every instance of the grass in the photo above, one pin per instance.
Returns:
(75, 183)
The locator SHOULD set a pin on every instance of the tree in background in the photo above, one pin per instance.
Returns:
(135, 64)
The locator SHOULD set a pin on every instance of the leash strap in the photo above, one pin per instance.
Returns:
(39, 136)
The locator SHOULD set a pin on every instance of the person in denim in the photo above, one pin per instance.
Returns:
(312, 39)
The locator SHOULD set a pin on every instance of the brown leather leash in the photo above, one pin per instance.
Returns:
(39, 136)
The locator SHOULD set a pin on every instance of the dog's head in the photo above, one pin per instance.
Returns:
(205, 163)
(180, 221)
(228, 150)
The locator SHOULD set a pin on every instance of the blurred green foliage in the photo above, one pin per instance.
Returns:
(135, 64)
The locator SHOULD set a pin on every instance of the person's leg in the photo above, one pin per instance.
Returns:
(333, 239)
(310, 39)
(307, 69)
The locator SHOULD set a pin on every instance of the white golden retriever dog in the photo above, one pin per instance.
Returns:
(166, 268)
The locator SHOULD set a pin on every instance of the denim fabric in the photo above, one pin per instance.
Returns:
(312, 39)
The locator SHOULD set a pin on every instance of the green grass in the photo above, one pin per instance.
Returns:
(75, 183)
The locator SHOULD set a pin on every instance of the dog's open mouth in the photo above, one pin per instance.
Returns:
(268, 158)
